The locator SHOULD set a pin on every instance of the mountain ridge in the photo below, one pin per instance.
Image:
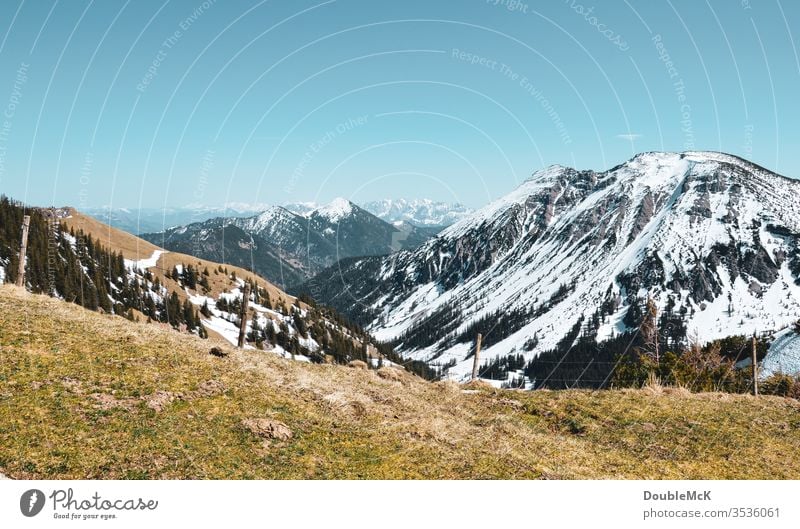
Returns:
(571, 247)
(287, 247)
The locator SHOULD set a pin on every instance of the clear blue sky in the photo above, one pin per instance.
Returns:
(150, 103)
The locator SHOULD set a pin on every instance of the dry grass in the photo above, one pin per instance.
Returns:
(131, 246)
(84, 395)
(218, 282)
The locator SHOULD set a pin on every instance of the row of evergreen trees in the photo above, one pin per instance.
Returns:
(658, 349)
(499, 368)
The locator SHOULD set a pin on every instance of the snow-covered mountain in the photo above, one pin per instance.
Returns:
(419, 212)
(324, 234)
(337, 210)
(712, 238)
(287, 247)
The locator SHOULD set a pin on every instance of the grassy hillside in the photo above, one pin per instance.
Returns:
(85, 395)
(130, 245)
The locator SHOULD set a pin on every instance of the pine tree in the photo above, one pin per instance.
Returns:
(300, 325)
(189, 317)
(222, 304)
(173, 312)
(269, 331)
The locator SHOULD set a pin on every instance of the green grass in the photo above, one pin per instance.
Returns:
(74, 387)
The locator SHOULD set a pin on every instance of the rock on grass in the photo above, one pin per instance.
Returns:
(268, 429)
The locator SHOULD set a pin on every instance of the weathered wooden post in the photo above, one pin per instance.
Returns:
(245, 301)
(755, 367)
(655, 331)
(476, 362)
(23, 250)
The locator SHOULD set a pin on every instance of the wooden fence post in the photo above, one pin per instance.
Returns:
(23, 250)
(755, 368)
(245, 301)
(476, 361)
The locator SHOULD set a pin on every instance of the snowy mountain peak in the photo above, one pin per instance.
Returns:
(335, 210)
(550, 172)
(267, 220)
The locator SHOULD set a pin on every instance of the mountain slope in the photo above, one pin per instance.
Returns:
(712, 238)
(288, 248)
(91, 396)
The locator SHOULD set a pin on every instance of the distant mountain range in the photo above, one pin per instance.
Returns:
(148, 220)
(288, 248)
(419, 212)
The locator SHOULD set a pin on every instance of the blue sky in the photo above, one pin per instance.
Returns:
(151, 103)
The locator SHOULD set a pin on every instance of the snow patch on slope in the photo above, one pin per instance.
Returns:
(144, 264)
(783, 356)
